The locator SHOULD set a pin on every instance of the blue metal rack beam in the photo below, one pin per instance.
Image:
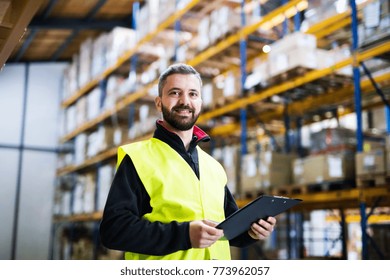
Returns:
(243, 113)
(356, 77)
(358, 110)
(243, 58)
(177, 35)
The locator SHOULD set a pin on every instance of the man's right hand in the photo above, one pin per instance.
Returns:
(203, 233)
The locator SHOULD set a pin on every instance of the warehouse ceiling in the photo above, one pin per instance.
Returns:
(52, 30)
(58, 27)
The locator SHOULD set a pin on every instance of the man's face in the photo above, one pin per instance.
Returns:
(181, 101)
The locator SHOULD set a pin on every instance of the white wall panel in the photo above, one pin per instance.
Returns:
(11, 101)
(43, 101)
(8, 176)
(39, 168)
(36, 203)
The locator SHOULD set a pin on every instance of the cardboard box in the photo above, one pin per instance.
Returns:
(297, 171)
(371, 162)
(328, 168)
(294, 40)
(275, 169)
(250, 175)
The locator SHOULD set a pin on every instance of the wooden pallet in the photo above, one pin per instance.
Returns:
(372, 180)
(291, 190)
(288, 75)
(251, 194)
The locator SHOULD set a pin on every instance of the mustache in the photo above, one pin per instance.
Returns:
(183, 107)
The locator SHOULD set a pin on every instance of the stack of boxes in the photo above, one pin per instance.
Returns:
(331, 159)
(216, 25)
(250, 180)
(371, 163)
(96, 55)
(228, 156)
(265, 172)
(295, 52)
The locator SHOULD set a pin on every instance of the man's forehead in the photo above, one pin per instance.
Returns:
(180, 78)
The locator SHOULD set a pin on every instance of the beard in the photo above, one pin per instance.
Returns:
(179, 122)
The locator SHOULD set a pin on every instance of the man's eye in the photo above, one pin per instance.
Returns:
(194, 94)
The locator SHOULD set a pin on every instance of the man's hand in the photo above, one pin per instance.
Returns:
(203, 233)
(262, 229)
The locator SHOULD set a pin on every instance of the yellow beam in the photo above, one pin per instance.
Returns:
(335, 97)
(327, 22)
(357, 195)
(334, 27)
(127, 55)
(373, 219)
(87, 217)
(301, 106)
(340, 196)
(308, 77)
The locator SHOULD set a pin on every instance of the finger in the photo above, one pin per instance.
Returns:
(210, 223)
(271, 220)
(266, 225)
(211, 229)
(260, 230)
(252, 234)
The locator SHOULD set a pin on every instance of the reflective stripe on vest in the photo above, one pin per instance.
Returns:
(176, 194)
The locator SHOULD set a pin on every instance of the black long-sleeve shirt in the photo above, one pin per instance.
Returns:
(122, 226)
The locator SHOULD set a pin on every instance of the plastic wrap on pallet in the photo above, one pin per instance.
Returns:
(319, 10)
(330, 138)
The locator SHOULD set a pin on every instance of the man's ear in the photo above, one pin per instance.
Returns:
(157, 102)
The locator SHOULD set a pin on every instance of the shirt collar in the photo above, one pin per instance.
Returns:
(198, 134)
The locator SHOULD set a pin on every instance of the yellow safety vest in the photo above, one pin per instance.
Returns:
(176, 194)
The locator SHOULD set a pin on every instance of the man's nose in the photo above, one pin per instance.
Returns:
(184, 99)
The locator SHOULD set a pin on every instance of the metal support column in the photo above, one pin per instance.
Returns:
(343, 235)
(243, 112)
(363, 224)
(358, 110)
(387, 113)
(177, 35)
(285, 22)
(356, 77)
(288, 235)
(297, 21)
(286, 118)
(299, 136)
(243, 58)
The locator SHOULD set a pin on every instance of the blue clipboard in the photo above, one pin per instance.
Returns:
(262, 207)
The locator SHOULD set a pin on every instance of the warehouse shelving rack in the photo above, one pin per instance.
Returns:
(326, 27)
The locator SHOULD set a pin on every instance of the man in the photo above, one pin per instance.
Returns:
(168, 194)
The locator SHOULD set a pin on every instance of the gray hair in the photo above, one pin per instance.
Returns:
(179, 68)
